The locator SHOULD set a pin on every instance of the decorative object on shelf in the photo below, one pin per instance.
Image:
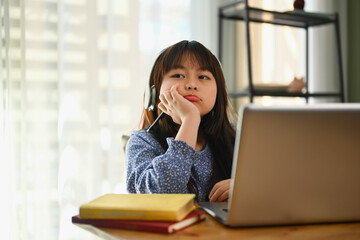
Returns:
(296, 85)
(299, 4)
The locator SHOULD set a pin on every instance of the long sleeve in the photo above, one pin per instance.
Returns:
(151, 170)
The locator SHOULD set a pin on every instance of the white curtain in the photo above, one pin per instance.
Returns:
(71, 84)
(324, 67)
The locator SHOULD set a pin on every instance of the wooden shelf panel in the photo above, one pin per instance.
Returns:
(245, 93)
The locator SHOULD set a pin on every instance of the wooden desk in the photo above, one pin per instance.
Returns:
(210, 229)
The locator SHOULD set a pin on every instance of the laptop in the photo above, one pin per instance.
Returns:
(294, 165)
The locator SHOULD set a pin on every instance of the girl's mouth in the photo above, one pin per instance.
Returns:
(192, 98)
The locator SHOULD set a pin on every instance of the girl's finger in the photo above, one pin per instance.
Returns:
(216, 195)
(167, 96)
(219, 188)
(163, 99)
(216, 187)
(223, 197)
(162, 107)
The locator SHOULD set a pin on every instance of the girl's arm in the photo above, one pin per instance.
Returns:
(188, 131)
(151, 170)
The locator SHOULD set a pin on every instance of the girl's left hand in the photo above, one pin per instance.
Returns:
(220, 191)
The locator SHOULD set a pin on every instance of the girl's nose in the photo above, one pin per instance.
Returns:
(191, 85)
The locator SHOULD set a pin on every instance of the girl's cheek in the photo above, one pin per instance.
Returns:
(165, 86)
(163, 89)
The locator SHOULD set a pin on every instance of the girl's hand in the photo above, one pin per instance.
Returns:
(220, 191)
(184, 113)
(177, 107)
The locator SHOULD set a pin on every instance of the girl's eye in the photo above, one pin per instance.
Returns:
(204, 77)
(178, 76)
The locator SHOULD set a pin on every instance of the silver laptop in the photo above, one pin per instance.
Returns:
(294, 165)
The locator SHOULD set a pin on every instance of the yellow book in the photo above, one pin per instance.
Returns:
(151, 207)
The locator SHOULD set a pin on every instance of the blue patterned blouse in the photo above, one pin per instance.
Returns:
(150, 169)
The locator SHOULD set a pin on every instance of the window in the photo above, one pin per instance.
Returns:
(72, 80)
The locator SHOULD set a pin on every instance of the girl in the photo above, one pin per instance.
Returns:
(190, 149)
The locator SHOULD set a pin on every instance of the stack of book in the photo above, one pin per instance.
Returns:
(164, 213)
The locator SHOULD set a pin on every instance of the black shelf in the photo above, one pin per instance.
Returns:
(241, 11)
(296, 18)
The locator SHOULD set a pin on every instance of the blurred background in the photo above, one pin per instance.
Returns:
(72, 79)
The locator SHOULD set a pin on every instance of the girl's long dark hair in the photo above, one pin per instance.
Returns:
(216, 126)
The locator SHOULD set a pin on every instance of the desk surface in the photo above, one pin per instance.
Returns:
(211, 229)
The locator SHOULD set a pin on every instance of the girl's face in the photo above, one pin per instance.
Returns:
(195, 84)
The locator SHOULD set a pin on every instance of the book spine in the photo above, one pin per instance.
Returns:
(149, 226)
(90, 213)
(123, 225)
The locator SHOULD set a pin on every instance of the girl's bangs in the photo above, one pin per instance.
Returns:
(198, 54)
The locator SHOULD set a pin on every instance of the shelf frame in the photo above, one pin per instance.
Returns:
(240, 11)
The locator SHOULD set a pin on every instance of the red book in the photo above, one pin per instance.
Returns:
(195, 216)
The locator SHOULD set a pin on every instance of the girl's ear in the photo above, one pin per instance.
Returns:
(150, 95)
